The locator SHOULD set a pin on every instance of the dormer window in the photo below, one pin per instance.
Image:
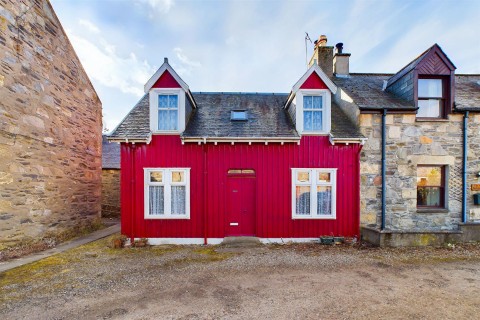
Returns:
(167, 112)
(431, 99)
(239, 115)
(312, 113)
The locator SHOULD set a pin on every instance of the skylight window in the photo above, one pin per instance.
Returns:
(239, 115)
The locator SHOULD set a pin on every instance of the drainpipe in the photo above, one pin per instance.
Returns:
(465, 153)
(132, 193)
(205, 194)
(384, 186)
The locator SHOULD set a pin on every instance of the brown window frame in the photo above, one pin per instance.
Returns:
(442, 187)
(443, 99)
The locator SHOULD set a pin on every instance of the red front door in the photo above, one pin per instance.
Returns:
(240, 218)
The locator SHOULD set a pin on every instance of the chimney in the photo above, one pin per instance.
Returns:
(340, 61)
(323, 55)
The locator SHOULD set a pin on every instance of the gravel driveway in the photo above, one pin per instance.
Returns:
(301, 281)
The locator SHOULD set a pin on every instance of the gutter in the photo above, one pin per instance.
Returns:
(464, 160)
(130, 140)
(234, 140)
(384, 169)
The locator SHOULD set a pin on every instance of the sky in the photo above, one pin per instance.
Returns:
(254, 46)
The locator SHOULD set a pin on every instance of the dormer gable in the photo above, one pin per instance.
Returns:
(309, 102)
(428, 82)
(170, 100)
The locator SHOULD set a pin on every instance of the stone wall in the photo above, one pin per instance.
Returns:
(111, 193)
(50, 127)
(410, 143)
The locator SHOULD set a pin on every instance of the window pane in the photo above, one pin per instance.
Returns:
(430, 88)
(162, 119)
(156, 200)
(302, 205)
(324, 197)
(307, 102)
(172, 121)
(317, 120)
(307, 120)
(173, 102)
(429, 108)
(163, 101)
(303, 176)
(156, 176)
(429, 176)
(429, 196)
(324, 177)
(178, 200)
(317, 102)
(178, 176)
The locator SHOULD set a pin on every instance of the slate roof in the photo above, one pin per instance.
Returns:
(266, 119)
(136, 125)
(366, 91)
(266, 116)
(467, 92)
(342, 126)
(110, 154)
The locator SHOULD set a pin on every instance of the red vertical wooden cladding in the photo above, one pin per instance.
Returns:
(272, 164)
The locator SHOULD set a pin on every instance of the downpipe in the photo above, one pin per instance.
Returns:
(384, 169)
(464, 172)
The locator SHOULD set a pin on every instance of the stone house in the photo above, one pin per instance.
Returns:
(50, 128)
(110, 179)
(421, 162)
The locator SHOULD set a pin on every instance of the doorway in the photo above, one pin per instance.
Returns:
(241, 203)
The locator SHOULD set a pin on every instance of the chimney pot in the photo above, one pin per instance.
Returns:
(322, 41)
(341, 63)
(339, 47)
(165, 60)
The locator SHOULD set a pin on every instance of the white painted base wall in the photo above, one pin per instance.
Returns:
(160, 241)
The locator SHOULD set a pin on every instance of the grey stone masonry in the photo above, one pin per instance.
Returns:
(50, 127)
(411, 143)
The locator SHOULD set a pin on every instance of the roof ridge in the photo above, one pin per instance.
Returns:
(244, 93)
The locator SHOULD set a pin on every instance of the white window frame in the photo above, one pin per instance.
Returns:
(167, 184)
(153, 95)
(313, 184)
(326, 106)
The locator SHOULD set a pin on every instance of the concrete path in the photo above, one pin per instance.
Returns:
(7, 265)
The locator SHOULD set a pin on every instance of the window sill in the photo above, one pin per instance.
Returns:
(314, 218)
(431, 120)
(167, 218)
(432, 210)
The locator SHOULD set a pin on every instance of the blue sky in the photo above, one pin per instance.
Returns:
(254, 46)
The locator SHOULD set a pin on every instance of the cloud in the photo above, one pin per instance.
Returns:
(186, 64)
(89, 25)
(162, 6)
(104, 66)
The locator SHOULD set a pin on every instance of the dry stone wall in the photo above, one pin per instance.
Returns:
(410, 143)
(50, 127)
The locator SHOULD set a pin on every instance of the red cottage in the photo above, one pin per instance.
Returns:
(199, 167)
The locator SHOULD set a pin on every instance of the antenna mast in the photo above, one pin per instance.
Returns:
(307, 37)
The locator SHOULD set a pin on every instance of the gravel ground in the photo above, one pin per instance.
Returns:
(297, 281)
